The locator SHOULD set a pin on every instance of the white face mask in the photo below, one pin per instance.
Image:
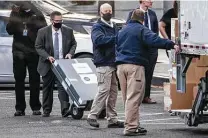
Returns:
(28, 10)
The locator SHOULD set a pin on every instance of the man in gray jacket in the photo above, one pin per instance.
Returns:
(54, 42)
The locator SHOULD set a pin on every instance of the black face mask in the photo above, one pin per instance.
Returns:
(57, 25)
(107, 16)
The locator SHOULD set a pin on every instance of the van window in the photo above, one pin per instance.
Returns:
(3, 23)
(5, 5)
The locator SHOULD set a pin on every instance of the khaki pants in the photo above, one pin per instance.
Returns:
(107, 94)
(132, 81)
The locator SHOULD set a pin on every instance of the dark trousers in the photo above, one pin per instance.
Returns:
(49, 81)
(21, 62)
(149, 70)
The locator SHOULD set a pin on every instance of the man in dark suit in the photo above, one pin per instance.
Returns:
(24, 22)
(53, 42)
(150, 22)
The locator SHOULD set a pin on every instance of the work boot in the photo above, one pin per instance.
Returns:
(64, 108)
(93, 122)
(148, 100)
(46, 114)
(66, 113)
(19, 113)
(138, 132)
(36, 112)
(118, 124)
(102, 115)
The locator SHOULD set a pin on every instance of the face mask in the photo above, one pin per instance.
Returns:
(57, 25)
(107, 16)
(28, 10)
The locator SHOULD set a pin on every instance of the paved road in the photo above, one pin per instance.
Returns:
(158, 123)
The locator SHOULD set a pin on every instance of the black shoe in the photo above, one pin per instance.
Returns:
(102, 115)
(93, 122)
(143, 129)
(66, 113)
(118, 124)
(19, 113)
(36, 112)
(46, 114)
(138, 132)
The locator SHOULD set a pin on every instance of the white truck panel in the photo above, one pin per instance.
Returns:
(195, 14)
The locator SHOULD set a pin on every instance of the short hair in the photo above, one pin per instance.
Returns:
(105, 5)
(138, 15)
(55, 13)
(140, 1)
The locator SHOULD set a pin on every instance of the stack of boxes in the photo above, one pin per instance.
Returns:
(197, 69)
(200, 71)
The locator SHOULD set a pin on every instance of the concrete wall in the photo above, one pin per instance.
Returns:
(122, 8)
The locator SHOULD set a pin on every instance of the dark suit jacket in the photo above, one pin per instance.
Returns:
(154, 27)
(153, 20)
(44, 46)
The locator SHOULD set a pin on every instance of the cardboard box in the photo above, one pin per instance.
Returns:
(191, 73)
(193, 102)
(203, 61)
(199, 73)
(174, 29)
(195, 91)
(178, 100)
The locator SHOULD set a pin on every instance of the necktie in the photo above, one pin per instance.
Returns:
(56, 46)
(146, 20)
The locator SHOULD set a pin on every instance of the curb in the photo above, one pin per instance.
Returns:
(159, 80)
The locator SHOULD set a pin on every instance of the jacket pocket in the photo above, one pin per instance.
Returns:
(100, 74)
(139, 77)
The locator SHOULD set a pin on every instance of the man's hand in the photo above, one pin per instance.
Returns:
(177, 49)
(51, 59)
(68, 56)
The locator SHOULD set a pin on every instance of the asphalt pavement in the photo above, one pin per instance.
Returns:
(157, 121)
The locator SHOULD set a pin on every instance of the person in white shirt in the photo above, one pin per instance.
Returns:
(53, 42)
(151, 22)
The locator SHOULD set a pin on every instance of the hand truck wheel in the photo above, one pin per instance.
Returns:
(76, 113)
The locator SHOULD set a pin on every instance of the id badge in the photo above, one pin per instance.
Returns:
(25, 32)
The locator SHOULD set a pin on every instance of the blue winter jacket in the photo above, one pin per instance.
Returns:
(103, 38)
(134, 41)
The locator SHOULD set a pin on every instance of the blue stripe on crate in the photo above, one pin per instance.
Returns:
(70, 89)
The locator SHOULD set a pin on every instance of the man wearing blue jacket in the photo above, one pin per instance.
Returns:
(103, 37)
(151, 22)
(133, 44)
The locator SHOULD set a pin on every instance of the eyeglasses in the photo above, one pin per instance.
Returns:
(60, 21)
